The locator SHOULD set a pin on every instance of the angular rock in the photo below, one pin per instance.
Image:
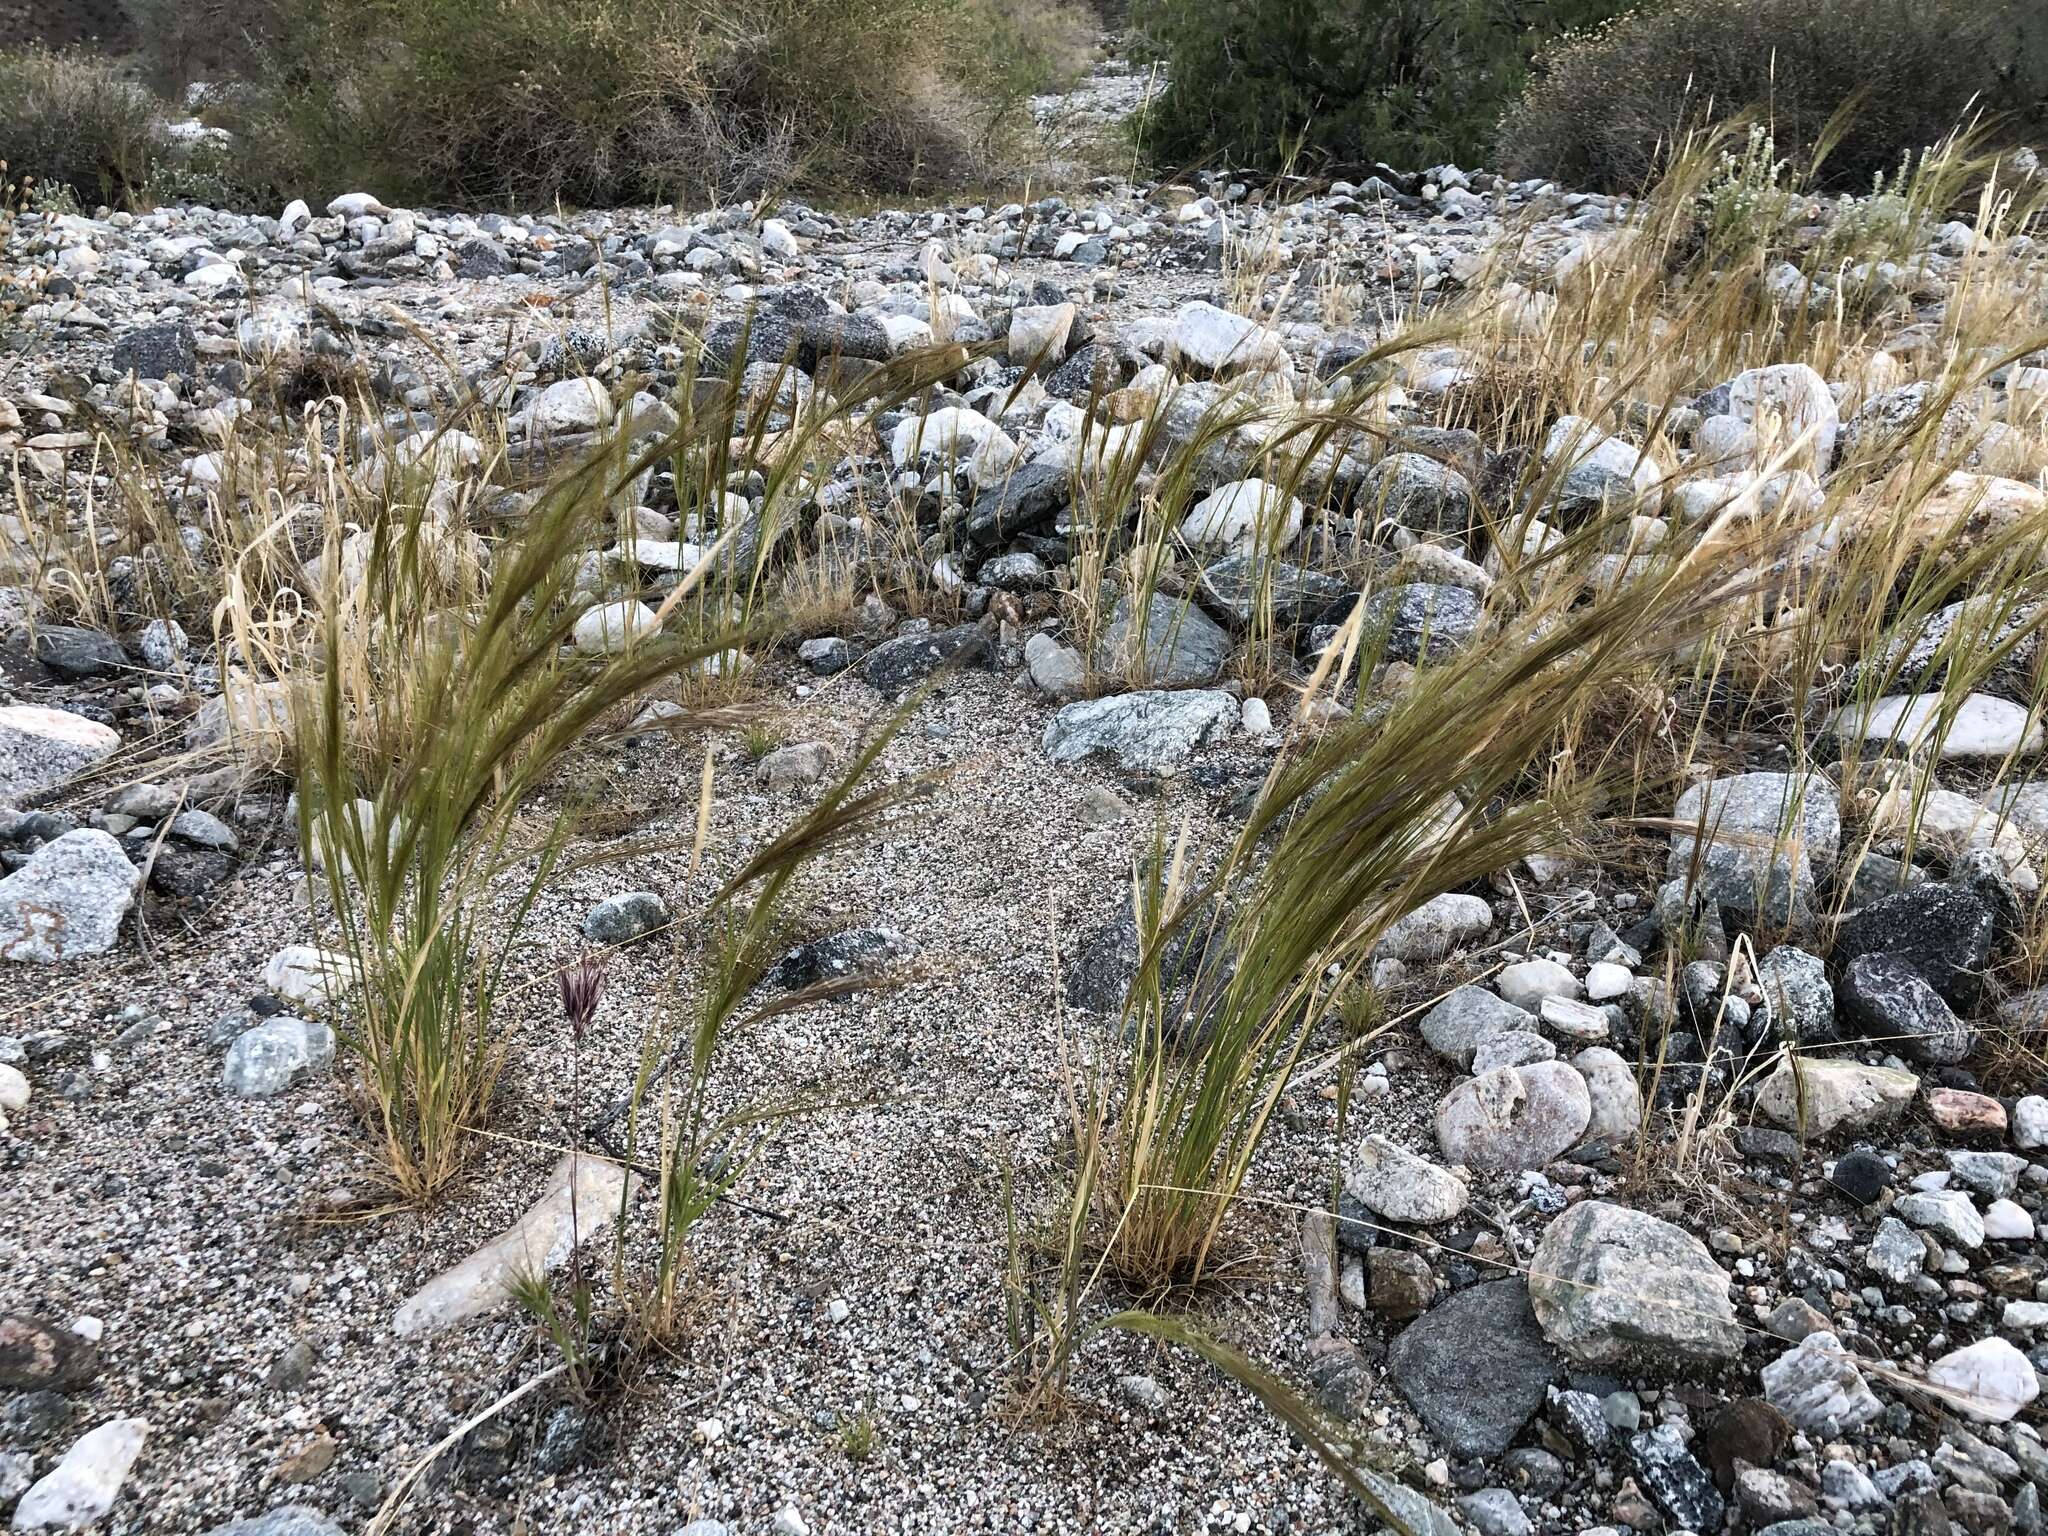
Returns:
(68, 900)
(1769, 837)
(163, 351)
(82, 1487)
(1675, 1481)
(1173, 644)
(1436, 930)
(1823, 1097)
(40, 748)
(1799, 1000)
(1888, 1001)
(1475, 1367)
(1390, 1181)
(1421, 621)
(276, 1055)
(1238, 588)
(1419, 493)
(1515, 1117)
(1024, 501)
(1145, 731)
(1946, 1212)
(1616, 1098)
(855, 952)
(1608, 1282)
(1467, 1015)
(1945, 929)
(1896, 1252)
(1817, 1386)
(285, 1520)
(1248, 516)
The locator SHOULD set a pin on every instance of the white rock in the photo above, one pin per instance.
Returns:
(14, 1090)
(1990, 1380)
(572, 405)
(1606, 981)
(1817, 1386)
(2030, 1123)
(1436, 929)
(608, 628)
(82, 1487)
(305, 976)
(1217, 341)
(1245, 516)
(1393, 1182)
(539, 1243)
(779, 241)
(1982, 726)
(1834, 1094)
(1527, 982)
(1785, 401)
(962, 436)
(2006, 1221)
(1611, 1086)
(355, 205)
(40, 748)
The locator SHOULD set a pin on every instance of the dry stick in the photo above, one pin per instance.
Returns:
(389, 1511)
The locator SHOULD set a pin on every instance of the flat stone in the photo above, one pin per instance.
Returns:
(1475, 1367)
(539, 1243)
(1467, 1015)
(1962, 1113)
(41, 748)
(1514, 1117)
(68, 900)
(896, 666)
(1980, 727)
(1145, 731)
(285, 1520)
(855, 951)
(1437, 929)
(1824, 1097)
(1993, 1175)
(1393, 1182)
(1990, 1380)
(1817, 1386)
(1240, 588)
(1608, 1282)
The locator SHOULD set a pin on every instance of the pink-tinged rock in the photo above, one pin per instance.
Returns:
(1966, 1114)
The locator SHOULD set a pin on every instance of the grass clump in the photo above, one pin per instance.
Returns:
(72, 123)
(605, 102)
(1844, 84)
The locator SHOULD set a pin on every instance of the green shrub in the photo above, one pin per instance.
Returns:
(593, 102)
(1413, 82)
(71, 122)
(1606, 107)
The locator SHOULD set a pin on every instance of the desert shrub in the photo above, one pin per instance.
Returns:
(1345, 81)
(71, 121)
(611, 101)
(1605, 107)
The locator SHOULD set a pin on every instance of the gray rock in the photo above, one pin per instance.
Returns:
(1608, 1283)
(1674, 1479)
(1421, 621)
(1887, 1000)
(40, 748)
(623, 918)
(1527, 983)
(857, 951)
(1820, 1097)
(896, 666)
(1945, 1212)
(1611, 1086)
(78, 654)
(1896, 1252)
(1495, 1512)
(158, 352)
(1476, 1367)
(793, 767)
(1389, 1180)
(1175, 645)
(1518, 1048)
(1797, 995)
(276, 1055)
(1770, 837)
(1419, 493)
(1816, 1385)
(1055, 670)
(1436, 929)
(1514, 1117)
(285, 1520)
(1145, 731)
(1467, 1015)
(203, 829)
(1027, 500)
(67, 900)
(1993, 1175)
(826, 657)
(1238, 587)
(1019, 571)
